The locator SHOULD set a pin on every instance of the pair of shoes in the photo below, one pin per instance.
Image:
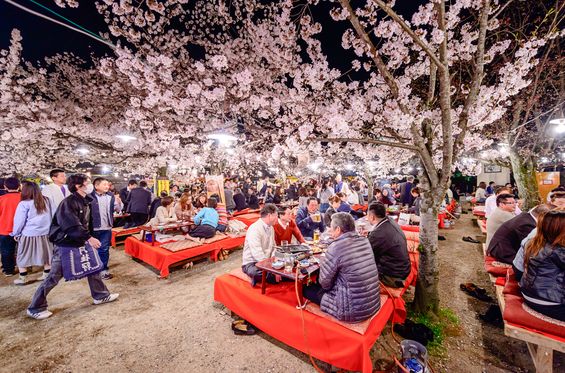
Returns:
(44, 276)
(108, 299)
(475, 291)
(39, 315)
(188, 265)
(493, 316)
(414, 331)
(8, 274)
(223, 255)
(470, 239)
(441, 238)
(106, 275)
(21, 280)
(241, 327)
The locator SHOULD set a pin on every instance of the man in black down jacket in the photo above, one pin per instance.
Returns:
(505, 242)
(70, 228)
(389, 247)
(139, 200)
(348, 285)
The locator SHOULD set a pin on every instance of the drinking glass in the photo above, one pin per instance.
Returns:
(288, 263)
(284, 243)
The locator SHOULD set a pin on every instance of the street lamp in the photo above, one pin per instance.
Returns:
(559, 124)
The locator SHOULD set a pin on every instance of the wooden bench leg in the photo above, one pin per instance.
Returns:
(542, 357)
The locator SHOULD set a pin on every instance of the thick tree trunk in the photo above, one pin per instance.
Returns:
(427, 295)
(524, 169)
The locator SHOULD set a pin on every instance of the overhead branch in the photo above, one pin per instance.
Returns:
(366, 141)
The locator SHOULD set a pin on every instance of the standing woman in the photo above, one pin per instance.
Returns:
(31, 230)
(325, 193)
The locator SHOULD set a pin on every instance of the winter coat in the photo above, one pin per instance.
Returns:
(544, 277)
(139, 200)
(505, 242)
(350, 278)
(305, 223)
(95, 209)
(239, 200)
(70, 225)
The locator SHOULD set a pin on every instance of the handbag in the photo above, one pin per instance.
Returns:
(79, 262)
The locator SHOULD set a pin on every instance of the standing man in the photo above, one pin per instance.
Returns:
(124, 192)
(57, 191)
(308, 218)
(139, 200)
(70, 229)
(405, 189)
(103, 207)
(259, 244)
(228, 193)
(8, 205)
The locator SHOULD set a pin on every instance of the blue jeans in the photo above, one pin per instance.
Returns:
(8, 251)
(104, 251)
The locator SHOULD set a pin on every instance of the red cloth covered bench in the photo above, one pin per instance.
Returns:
(120, 232)
(495, 268)
(275, 313)
(358, 207)
(161, 259)
(542, 335)
(248, 218)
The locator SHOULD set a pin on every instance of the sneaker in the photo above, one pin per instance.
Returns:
(43, 276)
(39, 315)
(21, 280)
(106, 275)
(108, 299)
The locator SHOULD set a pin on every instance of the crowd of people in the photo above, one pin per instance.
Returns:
(533, 242)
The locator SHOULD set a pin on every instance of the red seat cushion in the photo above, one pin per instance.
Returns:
(496, 268)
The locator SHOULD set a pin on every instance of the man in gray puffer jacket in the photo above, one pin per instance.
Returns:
(348, 285)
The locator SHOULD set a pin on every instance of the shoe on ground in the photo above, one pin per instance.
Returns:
(8, 274)
(43, 276)
(39, 315)
(108, 299)
(21, 280)
(106, 275)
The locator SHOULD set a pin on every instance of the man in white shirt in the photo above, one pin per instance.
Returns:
(57, 191)
(505, 207)
(490, 203)
(259, 243)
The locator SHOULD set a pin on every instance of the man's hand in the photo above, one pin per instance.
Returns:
(94, 243)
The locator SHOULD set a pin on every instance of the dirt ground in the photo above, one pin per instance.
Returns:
(174, 325)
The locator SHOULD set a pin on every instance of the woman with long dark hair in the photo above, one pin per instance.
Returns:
(543, 282)
(31, 230)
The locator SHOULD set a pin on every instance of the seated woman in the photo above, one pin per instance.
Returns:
(387, 196)
(480, 193)
(184, 209)
(334, 202)
(165, 213)
(201, 201)
(415, 207)
(377, 195)
(253, 201)
(543, 282)
(206, 221)
(348, 283)
(344, 206)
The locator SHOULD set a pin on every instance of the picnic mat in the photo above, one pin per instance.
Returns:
(275, 313)
(180, 245)
(161, 258)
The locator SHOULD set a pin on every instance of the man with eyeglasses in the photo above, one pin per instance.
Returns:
(505, 210)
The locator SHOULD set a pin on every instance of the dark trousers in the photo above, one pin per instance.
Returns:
(313, 293)
(8, 251)
(256, 274)
(555, 312)
(39, 301)
(203, 231)
(391, 282)
(138, 219)
(221, 228)
(104, 237)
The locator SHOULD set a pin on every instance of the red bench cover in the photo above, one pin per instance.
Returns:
(248, 219)
(494, 267)
(275, 313)
(123, 232)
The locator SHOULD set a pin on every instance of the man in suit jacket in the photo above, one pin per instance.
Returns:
(138, 202)
(124, 193)
(506, 240)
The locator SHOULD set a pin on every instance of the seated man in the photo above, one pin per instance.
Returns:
(308, 218)
(286, 227)
(506, 205)
(389, 247)
(259, 243)
(506, 240)
(490, 203)
(348, 285)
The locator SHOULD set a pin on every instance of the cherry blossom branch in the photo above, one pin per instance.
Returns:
(388, 10)
(366, 141)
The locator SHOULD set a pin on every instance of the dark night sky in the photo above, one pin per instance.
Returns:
(42, 38)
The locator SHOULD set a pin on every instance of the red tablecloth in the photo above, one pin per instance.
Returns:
(161, 259)
(275, 313)
(123, 232)
(248, 219)
(359, 207)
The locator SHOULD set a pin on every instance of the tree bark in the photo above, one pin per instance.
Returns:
(427, 295)
(524, 169)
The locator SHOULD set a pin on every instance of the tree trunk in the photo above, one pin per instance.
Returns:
(427, 295)
(524, 169)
